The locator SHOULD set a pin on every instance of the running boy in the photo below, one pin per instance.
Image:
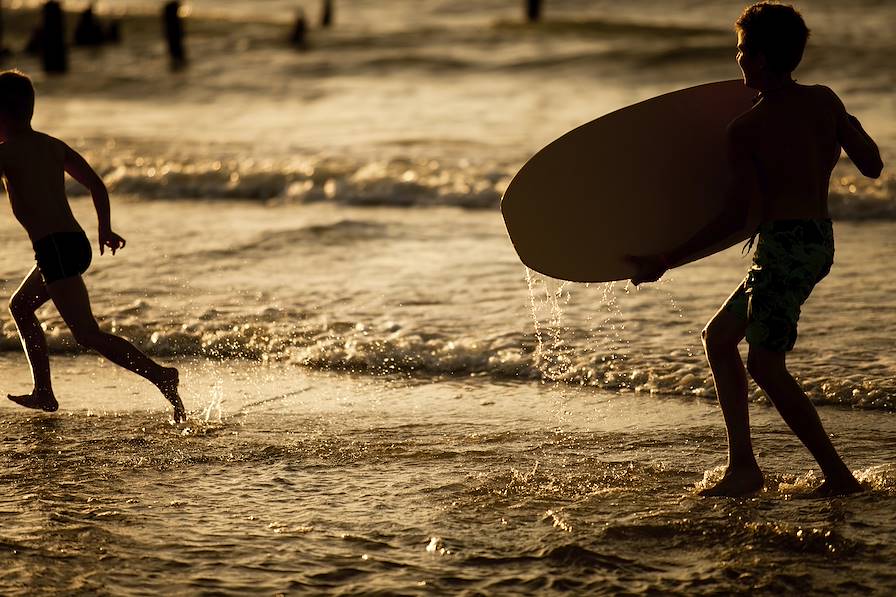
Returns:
(786, 146)
(33, 166)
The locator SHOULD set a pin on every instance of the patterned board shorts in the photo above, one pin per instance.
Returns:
(791, 257)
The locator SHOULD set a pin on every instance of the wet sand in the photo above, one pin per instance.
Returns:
(283, 481)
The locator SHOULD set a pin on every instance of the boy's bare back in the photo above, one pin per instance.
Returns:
(793, 137)
(33, 166)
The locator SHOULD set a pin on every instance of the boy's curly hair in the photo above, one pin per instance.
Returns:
(16, 95)
(777, 31)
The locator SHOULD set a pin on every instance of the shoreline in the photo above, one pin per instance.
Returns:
(325, 482)
(215, 391)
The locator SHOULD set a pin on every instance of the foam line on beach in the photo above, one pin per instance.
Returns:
(402, 182)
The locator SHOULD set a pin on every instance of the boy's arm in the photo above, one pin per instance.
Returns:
(733, 217)
(858, 144)
(81, 171)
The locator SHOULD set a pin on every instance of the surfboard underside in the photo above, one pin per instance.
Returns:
(638, 181)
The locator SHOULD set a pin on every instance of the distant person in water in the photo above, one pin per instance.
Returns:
(33, 166)
(88, 30)
(299, 36)
(783, 150)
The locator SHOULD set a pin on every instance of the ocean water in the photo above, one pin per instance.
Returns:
(382, 398)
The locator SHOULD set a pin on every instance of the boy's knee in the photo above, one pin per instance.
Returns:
(86, 337)
(765, 368)
(755, 368)
(709, 338)
(19, 306)
(714, 338)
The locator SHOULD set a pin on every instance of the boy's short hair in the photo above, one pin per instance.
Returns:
(16, 95)
(777, 31)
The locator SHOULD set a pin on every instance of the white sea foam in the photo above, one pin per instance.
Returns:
(394, 182)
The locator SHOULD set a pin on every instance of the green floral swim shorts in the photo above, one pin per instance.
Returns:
(791, 257)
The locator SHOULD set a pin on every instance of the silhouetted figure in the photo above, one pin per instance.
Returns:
(326, 14)
(533, 10)
(299, 36)
(174, 34)
(53, 49)
(34, 167)
(789, 141)
(113, 32)
(88, 30)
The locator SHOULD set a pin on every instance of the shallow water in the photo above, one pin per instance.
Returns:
(382, 400)
(425, 293)
(467, 456)
(326, 482)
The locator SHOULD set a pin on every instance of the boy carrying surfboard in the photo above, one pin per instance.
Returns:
(33, 167)
(784, 149)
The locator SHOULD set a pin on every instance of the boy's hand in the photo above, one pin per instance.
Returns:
(650, 268)
(109, 239)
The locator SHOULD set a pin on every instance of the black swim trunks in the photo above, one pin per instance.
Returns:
(791, 257)
(62, 255)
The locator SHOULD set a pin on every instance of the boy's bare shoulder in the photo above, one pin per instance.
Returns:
(57, 144)
(809, 99)
(32, 138)
(823, 91)
(828, 98)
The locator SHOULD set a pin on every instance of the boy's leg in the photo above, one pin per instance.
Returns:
(769, 369)
(30, 295)
(73, 303)
(720, 339)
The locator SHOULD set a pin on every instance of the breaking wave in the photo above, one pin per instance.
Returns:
(392, 182)
(598, 359)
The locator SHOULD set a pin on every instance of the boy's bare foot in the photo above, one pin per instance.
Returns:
(840, 487)
(38, 400)
(737, 482)
(168, 386)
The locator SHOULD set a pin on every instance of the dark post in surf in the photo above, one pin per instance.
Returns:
(326, 14)
(299, 36)
(174, 35)
(53, 49)
(533, 10)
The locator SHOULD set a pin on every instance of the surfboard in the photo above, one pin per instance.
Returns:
(638, 181)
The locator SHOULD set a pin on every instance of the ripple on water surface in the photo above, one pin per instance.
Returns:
(364, 501)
